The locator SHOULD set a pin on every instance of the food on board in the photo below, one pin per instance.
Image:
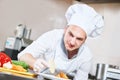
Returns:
(4, 58)
(62, 75)
(21, 63)
(6, 62)
(18, 68)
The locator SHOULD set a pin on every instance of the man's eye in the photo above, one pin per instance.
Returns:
(70, 34)
(80, 39)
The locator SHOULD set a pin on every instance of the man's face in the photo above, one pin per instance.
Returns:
(74, 37)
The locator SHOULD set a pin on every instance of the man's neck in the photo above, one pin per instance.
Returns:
(72, 53)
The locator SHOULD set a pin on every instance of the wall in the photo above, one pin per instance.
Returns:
(39, 15)
(106, 47)
(44, 15)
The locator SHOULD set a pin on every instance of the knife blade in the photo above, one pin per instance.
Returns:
(51, 66)
(46, 70)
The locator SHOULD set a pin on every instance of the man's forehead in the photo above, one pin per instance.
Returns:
(76, 31)
(74, 28)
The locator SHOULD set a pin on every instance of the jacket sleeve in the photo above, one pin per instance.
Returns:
(41, 45)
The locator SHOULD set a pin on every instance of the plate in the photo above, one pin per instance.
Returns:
(49, 76)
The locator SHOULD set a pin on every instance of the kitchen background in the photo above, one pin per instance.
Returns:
(44, 15)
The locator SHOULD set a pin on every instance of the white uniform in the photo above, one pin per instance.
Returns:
(50, 45)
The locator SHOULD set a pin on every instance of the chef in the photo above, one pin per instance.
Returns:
(66, 47)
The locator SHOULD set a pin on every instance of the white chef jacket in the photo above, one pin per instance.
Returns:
(51, 45)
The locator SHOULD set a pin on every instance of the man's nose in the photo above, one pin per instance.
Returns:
(73, 40)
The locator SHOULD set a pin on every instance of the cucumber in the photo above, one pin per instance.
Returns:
(21, 63)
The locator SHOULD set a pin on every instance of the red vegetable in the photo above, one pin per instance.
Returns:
(4, 58)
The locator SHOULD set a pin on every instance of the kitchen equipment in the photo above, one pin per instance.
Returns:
(105, 71)
(24, 43)
(14, 45)
(27, 33)
(113, 73)
(101, 71)
(19, 32)
(22, 32)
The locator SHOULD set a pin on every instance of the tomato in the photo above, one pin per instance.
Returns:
(4, 58)
(0, 64)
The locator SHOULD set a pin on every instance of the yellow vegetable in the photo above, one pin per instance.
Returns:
(18, 68)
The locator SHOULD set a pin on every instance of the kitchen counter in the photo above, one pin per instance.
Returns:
(16, 76)
(6, 74)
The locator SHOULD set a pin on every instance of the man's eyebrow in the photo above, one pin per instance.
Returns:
(80, 38)
(70, 33)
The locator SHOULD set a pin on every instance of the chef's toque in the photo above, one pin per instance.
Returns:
(85, 17)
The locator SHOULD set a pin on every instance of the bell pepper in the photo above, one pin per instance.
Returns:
(4, 58)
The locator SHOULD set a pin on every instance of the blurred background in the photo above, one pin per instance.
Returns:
(40, 16)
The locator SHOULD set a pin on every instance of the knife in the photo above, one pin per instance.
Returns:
(46, 70)
(51, 66)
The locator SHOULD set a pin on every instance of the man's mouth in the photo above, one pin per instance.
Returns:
(71, 46)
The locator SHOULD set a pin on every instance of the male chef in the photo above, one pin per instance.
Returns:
(66, 47)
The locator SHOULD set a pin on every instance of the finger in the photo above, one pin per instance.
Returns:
(36, 68)
(45, 63)
(39, 67)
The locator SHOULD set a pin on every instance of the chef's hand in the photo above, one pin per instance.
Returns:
(39, 65)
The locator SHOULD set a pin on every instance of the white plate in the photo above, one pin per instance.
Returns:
(48, 76)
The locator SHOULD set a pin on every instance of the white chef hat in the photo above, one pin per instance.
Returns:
(85, 17)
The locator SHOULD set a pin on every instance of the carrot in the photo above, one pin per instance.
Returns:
(18, 68)
(62, 75)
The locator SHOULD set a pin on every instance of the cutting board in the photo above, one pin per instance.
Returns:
(18, 73)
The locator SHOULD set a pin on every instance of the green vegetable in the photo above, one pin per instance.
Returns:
(21, 63)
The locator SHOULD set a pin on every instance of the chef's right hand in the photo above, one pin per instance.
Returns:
(39, 65)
